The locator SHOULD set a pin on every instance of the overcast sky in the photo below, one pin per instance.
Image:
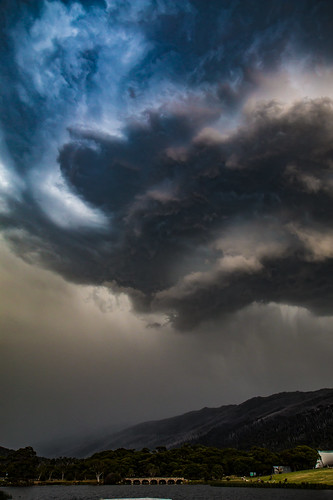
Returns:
(166, 201)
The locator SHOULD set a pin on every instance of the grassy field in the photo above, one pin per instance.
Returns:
(318, 476)
(313, 478)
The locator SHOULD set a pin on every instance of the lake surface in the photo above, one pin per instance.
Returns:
(184, 492)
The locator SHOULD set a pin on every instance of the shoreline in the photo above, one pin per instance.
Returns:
(281, 485)
(215, 484)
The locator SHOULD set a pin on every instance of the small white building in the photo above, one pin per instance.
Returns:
(280, 469)
(325, 459)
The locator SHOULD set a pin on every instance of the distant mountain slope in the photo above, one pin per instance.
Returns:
(279, 421)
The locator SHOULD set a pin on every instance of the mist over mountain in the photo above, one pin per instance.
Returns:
(277, 422)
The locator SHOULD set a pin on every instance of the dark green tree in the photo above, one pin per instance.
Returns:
(299, 458)
(23, 464)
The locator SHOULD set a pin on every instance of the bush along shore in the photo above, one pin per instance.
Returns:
(4, 495)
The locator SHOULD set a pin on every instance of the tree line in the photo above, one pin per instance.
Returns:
(193, 462)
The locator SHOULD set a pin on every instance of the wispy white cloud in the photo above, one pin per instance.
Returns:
(63, 207)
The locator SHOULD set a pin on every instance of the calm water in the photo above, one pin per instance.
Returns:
(173, 492)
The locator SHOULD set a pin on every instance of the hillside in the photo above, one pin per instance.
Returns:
(277, 422)
(4, 452)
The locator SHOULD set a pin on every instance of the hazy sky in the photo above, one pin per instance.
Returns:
(166, 208)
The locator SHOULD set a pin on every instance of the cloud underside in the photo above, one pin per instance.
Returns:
(173, 177)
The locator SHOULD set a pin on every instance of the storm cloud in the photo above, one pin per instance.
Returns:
(169, 152)
(166, 188)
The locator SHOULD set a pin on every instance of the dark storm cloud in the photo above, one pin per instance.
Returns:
(276, 171)
(156, 207)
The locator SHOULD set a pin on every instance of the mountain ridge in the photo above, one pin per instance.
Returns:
(278, 421)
